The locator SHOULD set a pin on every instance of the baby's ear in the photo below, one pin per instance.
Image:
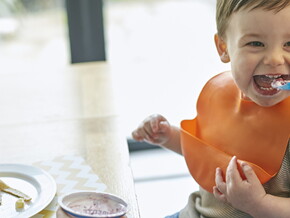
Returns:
(221, 47)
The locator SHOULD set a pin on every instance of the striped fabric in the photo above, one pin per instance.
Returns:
(202, 204)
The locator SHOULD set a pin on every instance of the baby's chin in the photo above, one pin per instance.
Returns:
(268, 101)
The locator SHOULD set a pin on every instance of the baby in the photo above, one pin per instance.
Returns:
(237, 147)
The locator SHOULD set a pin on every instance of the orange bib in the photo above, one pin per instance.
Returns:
(226, 125)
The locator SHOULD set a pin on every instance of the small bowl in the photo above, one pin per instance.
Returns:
(88, 204)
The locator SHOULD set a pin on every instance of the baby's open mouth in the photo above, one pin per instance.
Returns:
(264, 82)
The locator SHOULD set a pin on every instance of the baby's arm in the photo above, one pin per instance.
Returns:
(248, 195)
(155, 129)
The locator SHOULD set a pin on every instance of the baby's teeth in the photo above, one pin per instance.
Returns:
(273, 76)
(266, 89)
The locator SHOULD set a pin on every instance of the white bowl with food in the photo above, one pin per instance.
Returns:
(91, 204)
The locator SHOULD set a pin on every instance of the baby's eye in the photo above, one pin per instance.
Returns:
(287, 44)
(256, 44)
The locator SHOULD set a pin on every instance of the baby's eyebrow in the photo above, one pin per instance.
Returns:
(251, 35)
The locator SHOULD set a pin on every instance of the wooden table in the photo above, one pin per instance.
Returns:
(62, 111)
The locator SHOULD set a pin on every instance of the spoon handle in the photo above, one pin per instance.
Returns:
(282, 86)
(285, 87)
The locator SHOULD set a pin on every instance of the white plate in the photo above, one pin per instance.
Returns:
(32, 181)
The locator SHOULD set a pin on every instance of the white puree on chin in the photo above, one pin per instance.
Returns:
(96, 205)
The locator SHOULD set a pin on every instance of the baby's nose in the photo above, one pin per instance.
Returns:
(274, 57)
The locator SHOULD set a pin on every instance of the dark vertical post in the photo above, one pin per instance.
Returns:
(86, 30)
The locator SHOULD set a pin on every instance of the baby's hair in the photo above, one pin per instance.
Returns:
(225, 8)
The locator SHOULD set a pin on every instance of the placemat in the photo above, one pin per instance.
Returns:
(71, 173)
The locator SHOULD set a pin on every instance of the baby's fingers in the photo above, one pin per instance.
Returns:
(137, 136)
(220, 190)
(250, 174)
(140, 135)
(164, 126)
(219, 181)
(218, 195)
(156, 123)
(233, 174)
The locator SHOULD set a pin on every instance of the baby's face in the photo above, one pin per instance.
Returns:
(258, 44)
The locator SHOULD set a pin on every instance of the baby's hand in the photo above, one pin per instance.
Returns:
(155, 129)
(243, 194)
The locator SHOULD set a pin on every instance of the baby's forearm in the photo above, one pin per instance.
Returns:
(272, 207)
(174, 142)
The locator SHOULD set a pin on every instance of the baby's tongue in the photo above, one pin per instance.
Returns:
(263, 81)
